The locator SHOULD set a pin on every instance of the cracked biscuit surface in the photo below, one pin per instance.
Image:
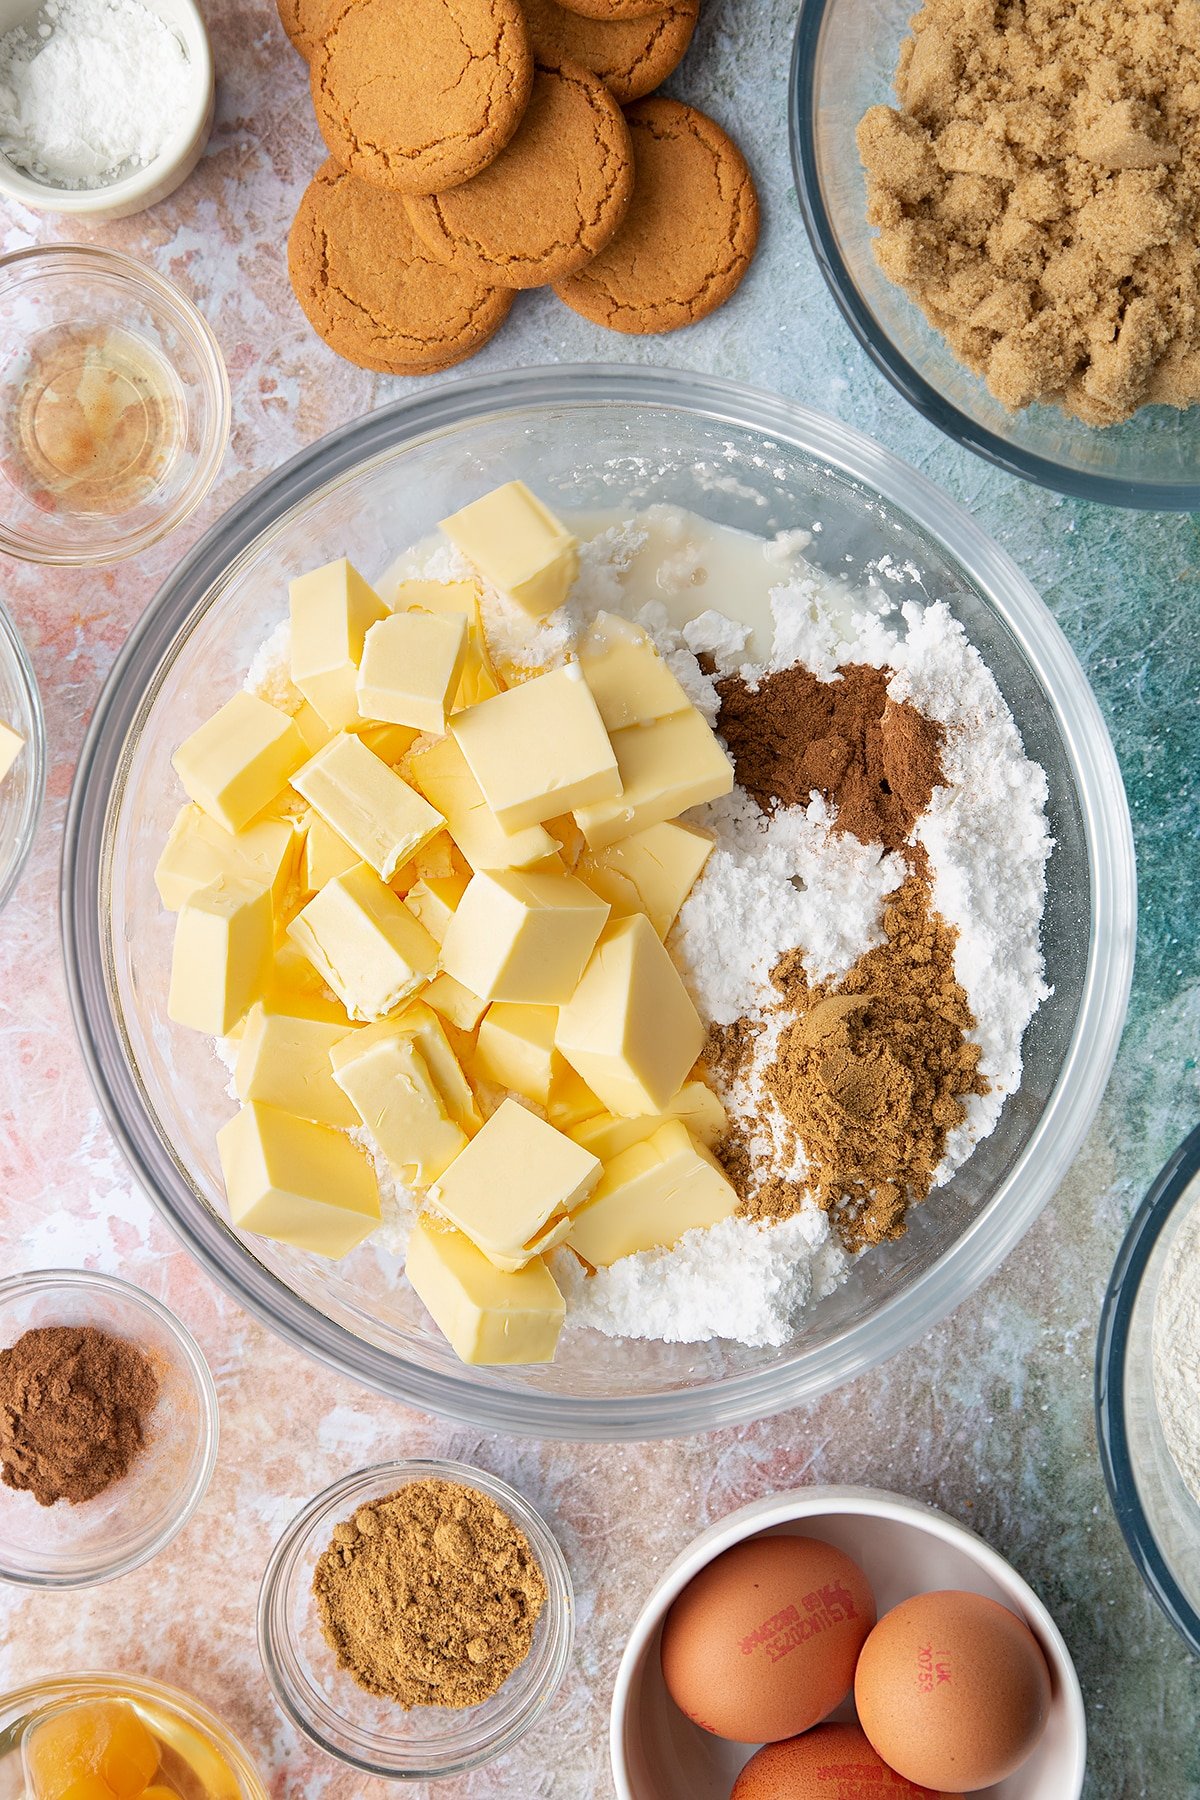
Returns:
(688, 236)
(371, 289)
(304, 22)
(614, 9)
(551, 200)
(631, 56)
(419, 95)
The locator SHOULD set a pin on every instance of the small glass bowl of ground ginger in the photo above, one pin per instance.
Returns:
(108, 1428)
(416, 1619)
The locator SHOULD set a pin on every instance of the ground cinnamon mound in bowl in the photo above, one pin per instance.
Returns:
(73, 1408)
(1038, 194)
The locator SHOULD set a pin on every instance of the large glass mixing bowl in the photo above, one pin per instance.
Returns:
(584, 437)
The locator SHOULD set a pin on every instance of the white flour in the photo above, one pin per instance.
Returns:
(770, 886)
(1176, 1355)
(90, 89)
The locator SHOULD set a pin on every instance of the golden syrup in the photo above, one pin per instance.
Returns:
(61, 1743)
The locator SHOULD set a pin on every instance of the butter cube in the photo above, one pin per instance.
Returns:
(443, 776)
(434, 900)
(629, 1029)
(521, 936)
(325, 855)
(312, 727)
(489, 1316)
(332, 608)
(11, 746)
(514, 1187)
(651, 871)
(383, 1075)
(364, 943)
(695, 1105)
(649, 1196)
(283, 1060)
(665, 768)
(391, 743)
(515, 1049)
(630, 682)
(301, 1183)
(223, 940)
(539, 749)
(571, 1101)
(518, 545)
(367, 804)
(239, 760)
(293, 985)
(410, 669)
(428, 1032)
(198, 851)
(478, 680)
(454, 1002)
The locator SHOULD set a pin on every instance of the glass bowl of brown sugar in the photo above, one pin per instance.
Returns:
(460, 1667)
(108, 1428)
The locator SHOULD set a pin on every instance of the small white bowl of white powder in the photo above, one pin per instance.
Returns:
(105, 105)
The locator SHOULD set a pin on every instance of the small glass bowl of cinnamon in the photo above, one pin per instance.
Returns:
(80, 1542)
(372, 1734)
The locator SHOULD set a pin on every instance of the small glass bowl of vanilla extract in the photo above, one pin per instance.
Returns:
(114, 406)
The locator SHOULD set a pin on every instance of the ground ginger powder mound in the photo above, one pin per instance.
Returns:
(1038, 195)
(429, 1596)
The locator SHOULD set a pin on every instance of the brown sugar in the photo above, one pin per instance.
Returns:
(1038, 194)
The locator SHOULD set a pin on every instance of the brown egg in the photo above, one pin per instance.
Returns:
(763, 1641)
(833, 1762)
(952, 1690)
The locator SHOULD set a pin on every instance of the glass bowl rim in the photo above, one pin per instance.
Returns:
(1112, 1351)
(338, 1498)
(56, 259)
(36, 749)
(437, 412)
(1043, 471)
(27, 1283)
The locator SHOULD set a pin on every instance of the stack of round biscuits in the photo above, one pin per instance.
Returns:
(478, 147)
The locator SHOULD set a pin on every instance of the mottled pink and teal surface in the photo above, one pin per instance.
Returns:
(990, 1417)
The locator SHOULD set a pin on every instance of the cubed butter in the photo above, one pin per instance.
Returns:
(293, 985)
(436, 860)
(239, 760)
(539, 749)
(487, 1314)
(367, 803)
(382, 1074)
(325, 855)
(443, 776)
(478, 680)
(571, 1100)
(455, 1003)
(630, 1029)
(522, 936)
(427, 1031)
(312, 727)
(515, 1049)
(514, 1188)
(410, 669)
(665, 768)
(301, 1183)
(199, 850)
(391, 743)
(649, 1195)
(332, 609)
(365, 944)
(695, 1105)
(224, 935)
(283, 1060)
(630, 682)
(11, 745)
(651, 871)
(434, 900)
(518, 545)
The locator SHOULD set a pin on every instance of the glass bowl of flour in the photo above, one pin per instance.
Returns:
(1147, 1379)
(742, 528)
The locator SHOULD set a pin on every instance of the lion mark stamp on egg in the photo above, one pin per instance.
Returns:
(786, 1630)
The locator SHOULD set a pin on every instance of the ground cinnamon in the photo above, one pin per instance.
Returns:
(875, 760)
(73, 1407)
(429, 1597)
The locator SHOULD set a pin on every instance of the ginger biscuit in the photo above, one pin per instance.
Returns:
(688, 236)
(614, 9)
(304, 22)
(631, 56)
(419, 95)
(551, 200)
(372, 290)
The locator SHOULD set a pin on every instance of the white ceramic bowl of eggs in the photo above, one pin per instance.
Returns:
(904, 1548)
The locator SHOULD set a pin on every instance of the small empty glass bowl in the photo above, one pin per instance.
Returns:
(76, 1546)
(114, 406)
(22, 789)
(377, 1736)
